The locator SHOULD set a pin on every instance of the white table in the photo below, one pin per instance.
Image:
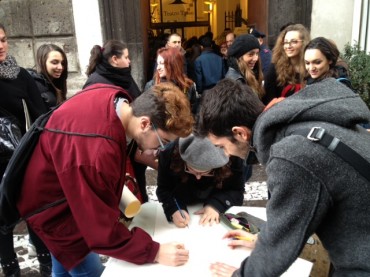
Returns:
(204, 243)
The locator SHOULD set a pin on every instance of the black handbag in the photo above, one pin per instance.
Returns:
(10, 135)
(10, 132)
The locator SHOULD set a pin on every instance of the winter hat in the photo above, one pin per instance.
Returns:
(201, 154)
(243, 44)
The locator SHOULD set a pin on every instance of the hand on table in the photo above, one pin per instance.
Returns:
(238, 238)
(245, 239)
(209, 216)
(179, 220)
(172, 254)
(221, 269)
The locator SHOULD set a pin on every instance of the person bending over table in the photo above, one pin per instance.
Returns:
(82, 159)
(191, 170)
(312, 189)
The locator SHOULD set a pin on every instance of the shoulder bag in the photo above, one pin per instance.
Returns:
(10, 132)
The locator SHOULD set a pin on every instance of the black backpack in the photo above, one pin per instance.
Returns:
(12, 180)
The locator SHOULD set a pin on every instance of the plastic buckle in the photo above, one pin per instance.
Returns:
(316, 134)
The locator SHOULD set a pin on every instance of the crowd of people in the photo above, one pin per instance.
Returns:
(204, 114)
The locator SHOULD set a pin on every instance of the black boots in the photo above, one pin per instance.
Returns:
(45, 270)
(11, 268)
(45, 264)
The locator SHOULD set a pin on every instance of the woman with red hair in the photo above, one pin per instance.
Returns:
(170, 68)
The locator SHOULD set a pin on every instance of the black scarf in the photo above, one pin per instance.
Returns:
(118, 76)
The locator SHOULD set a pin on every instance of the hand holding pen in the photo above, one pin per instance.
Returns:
(241, 238)
(180, 217)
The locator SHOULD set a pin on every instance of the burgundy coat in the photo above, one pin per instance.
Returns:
(89, 172)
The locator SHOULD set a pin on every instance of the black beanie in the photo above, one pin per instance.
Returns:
(243, 44)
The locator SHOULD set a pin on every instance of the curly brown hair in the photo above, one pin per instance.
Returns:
(167, 107)
(285, 69)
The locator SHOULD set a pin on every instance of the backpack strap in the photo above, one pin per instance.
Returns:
(9, 228)
(320, 136)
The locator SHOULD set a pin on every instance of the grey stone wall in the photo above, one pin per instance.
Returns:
(30, 23)
(283, 11)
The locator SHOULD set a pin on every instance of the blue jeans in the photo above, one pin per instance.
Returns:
(91, 266)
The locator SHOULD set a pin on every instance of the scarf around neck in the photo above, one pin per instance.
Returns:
(9, 68)
(118, 76)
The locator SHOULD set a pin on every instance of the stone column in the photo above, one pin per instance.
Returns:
(128, 20)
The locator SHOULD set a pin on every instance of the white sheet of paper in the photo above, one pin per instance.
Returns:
(204, 243)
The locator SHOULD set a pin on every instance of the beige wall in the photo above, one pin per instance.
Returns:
(333, 19)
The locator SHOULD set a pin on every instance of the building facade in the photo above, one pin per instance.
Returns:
(77, 25)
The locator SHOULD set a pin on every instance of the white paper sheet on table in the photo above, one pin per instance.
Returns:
(204, 243)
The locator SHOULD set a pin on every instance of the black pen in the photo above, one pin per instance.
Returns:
(182, 214)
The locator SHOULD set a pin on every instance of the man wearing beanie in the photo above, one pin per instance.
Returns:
(265, 52)
(192, 170)
(312, 189)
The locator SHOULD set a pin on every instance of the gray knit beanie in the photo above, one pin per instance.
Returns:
(201, 154)
(243, 44)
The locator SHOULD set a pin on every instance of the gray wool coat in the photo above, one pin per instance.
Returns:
(312, 189)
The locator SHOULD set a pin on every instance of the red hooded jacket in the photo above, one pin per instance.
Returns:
(88, 170)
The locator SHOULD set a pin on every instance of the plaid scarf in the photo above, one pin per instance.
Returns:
(9, 68)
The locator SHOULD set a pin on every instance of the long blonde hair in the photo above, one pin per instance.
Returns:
(253, 77)
(285, 69)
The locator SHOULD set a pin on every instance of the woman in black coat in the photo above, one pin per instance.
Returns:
(110, 64)
(192, 170)
(51, 74)
(17, 85)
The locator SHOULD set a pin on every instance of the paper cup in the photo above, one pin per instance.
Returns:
(129, 204)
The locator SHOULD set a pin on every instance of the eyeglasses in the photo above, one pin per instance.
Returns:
(209, 173)
(292, 42)
(161, 147)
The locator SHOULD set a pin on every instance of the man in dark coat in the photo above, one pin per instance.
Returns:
(312, 189)
(209, 67)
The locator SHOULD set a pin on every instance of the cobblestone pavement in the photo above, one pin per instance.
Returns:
(255, 195)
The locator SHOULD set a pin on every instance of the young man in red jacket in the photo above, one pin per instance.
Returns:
(82, 158)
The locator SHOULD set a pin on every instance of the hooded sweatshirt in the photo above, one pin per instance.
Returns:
(312, 189)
